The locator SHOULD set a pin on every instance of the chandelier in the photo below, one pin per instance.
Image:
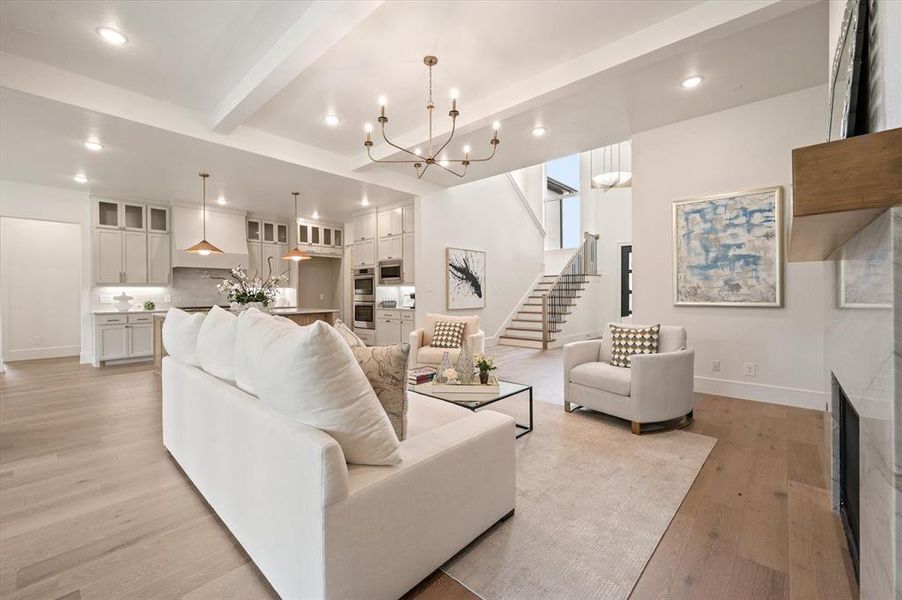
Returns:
(421, 161)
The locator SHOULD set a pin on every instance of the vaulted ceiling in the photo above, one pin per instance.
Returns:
(245, 86)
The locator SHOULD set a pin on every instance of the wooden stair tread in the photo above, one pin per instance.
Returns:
(522, 339)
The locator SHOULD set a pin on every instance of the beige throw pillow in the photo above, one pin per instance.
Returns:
(349, 336)
(629, 341)
(385, 368)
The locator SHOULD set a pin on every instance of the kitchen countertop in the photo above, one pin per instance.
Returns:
(404, 308)
(286, 310)
(138, 311)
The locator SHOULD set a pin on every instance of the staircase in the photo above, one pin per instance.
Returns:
(545, 310)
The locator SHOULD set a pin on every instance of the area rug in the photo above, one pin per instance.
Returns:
(593, 501)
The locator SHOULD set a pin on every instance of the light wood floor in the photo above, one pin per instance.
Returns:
(91, 505)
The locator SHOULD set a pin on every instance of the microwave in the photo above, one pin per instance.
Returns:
(390, 272)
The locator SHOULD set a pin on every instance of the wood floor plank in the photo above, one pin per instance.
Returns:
(92, 506)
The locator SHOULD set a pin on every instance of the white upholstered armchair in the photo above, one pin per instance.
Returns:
(422, 354)
(658, 387)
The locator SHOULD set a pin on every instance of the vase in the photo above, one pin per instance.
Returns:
(483, 377)
(465, 364)
(238, 307)
(444, 367)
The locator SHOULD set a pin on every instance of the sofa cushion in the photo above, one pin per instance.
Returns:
(216, 344)
(629, 341)
(471, 325)
(602, 376)
(180, 330)
(448, 334)
(425, 414)
(309, 374)
(349, 336)
(428, 355)
(242, 374)
(385, 368)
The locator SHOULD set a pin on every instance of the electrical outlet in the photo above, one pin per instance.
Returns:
(322, 297)
(715, 366)
(167, 298)
(750, 369)
(37, 340)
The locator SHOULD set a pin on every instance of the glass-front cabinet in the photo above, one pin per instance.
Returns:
(107, 214)
(254, 231)
(157, 219)
(281, 233)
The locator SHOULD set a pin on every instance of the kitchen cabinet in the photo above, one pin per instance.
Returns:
(390, 222)
(254, 230)
(271, 259)
(118, 214)
(364, 227)
(254, 258)
(157, 219)
(327, 236)
(393, 326)
(391, 248)
(315, 235)
(133, 216)
(269, 232)
(281, 233)
(367, 336)
(408, 219)
(134, 257)
(337, 238)
(122, 336)
(107, 256)
(363, 254)
(409, 254)
(159, 258)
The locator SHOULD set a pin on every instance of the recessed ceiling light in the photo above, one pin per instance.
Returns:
(365, 201)
(221, 201)
(691, 82)
(538, 131)
(94, 145)
(331, 120)
(112, 36)
(315, 215)
(81, 178)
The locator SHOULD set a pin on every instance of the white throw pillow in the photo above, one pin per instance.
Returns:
(180, 331)
(216, 344)
(309, 374)
(245, 323)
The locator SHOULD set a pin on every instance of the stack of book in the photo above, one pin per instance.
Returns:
(420, 375)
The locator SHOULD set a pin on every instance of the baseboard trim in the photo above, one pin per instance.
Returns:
(762, 392)
(86, 358)
(51, 352)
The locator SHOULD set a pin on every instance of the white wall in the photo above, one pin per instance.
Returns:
(27, 201)
(483, 215)
(40, 288)
(741, 148)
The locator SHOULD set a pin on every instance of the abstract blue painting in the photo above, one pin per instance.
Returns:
(727, 249)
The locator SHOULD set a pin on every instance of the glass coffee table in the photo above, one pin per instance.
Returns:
(474, 402)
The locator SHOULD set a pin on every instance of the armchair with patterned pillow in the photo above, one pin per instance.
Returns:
(427, 349)
(626, 375)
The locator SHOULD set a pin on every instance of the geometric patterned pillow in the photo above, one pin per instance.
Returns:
(448, 334)
(627, 341)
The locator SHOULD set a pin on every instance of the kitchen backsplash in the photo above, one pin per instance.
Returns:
(196, 287)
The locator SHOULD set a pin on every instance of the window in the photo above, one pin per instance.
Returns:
(626, 281)
(562, 204)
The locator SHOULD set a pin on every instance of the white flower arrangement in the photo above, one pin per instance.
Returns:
(241, 289)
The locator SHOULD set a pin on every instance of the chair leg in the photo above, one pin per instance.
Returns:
(636, 427)
(567, 407)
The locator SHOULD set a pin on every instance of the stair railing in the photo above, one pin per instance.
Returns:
(562, 294)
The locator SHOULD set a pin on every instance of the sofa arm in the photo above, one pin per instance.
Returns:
(662, 385)
(416, 342)
(578, 353)
(477, 342)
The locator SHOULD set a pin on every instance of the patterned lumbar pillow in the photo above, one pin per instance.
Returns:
(448, 334)
(627, 341)
(385, 368)
(349, 336)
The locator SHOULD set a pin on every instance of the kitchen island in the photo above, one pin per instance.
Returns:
(301, 316)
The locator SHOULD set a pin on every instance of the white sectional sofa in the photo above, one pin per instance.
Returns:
(318, 527)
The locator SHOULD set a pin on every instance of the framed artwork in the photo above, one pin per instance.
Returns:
(728, 249)
(465, 276)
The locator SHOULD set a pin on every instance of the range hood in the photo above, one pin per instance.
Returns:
(225, 230)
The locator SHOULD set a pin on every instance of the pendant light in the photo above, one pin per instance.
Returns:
(203, 247)
(296, 254)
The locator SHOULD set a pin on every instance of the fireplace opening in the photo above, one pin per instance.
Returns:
(849, 505)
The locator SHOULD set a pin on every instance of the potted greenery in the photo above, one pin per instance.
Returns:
(485, 364)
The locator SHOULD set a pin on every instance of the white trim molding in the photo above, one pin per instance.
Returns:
(762, 392)
(525, 202)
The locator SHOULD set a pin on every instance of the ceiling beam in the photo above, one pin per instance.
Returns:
(39, 79)
(314, 32)
(706, 21)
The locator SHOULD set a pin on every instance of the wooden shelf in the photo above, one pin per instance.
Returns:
(839, 187)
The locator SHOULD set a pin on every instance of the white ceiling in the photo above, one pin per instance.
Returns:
(188, 53)
(482, 47)
(243, 86)
(42, 143)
